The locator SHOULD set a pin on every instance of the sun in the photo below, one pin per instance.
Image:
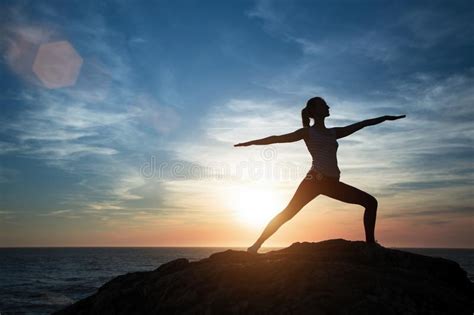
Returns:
(255, 207)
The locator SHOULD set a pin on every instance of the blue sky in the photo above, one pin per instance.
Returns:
(138, 151)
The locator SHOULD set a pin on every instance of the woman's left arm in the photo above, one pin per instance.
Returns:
(342, 132)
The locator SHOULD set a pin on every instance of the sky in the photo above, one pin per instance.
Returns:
(118, 120)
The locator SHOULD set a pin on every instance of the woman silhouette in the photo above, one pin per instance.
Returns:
(323, 177)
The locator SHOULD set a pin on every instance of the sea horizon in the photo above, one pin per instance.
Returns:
(230, 247)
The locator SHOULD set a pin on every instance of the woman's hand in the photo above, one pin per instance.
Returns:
(394, 117)
(243, 144)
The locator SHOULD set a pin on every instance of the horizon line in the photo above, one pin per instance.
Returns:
(204, 246)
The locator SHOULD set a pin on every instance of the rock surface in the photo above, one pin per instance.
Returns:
(329, 277)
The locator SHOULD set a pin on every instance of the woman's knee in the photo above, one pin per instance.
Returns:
(370, 202)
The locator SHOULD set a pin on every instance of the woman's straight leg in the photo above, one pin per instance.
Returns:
(347, 193)
(307, 191)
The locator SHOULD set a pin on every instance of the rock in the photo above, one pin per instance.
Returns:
(329, 277)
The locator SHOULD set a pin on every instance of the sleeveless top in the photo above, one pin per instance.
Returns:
(323, 149)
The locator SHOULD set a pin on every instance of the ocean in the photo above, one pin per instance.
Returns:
(43, 280)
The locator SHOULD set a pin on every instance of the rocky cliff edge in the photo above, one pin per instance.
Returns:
(328, 277)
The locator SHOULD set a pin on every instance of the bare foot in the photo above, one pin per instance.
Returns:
(253, 249)
(374, 244)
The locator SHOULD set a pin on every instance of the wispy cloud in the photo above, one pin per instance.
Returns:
(385, 37)
(89, 129)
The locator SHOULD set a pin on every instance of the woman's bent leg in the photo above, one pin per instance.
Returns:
(307, 191)
(350, 194)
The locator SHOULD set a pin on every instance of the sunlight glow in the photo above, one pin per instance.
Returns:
(255, 207)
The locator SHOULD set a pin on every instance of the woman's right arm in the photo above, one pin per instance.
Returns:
(289, 137)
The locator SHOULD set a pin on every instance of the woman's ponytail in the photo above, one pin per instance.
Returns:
(305, 117)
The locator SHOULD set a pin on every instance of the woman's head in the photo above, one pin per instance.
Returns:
(316, 107)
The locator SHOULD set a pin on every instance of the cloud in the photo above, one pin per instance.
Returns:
(397, 37)
(433, 26)
(163, 119)
(7, 174)
(89, 131)
(7, 214)
(443, 211)
(239, 120)
(432, 184)
(61, 127)
(264, 10)
(65, 213)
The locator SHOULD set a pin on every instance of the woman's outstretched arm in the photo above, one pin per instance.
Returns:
(342, 132)
(289, 137)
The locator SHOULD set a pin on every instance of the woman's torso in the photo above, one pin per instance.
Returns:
(323, 148)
